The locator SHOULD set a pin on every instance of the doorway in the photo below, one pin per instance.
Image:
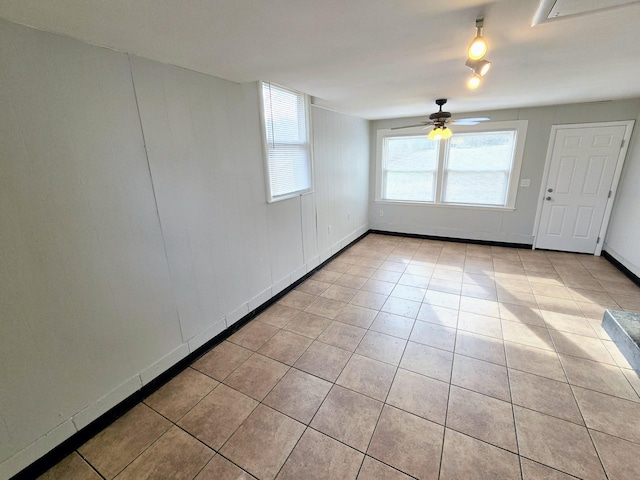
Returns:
(580, 179)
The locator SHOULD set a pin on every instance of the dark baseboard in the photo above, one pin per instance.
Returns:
(490, 243)
(74, 442)
(628, 273)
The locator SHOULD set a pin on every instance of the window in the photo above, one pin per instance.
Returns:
(479, 166)
(287, 146)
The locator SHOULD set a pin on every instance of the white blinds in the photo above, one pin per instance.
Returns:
(286, 134)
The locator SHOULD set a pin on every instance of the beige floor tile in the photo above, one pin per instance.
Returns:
(374, 262)
(384, 348)
(349, 417)
(581, 346)
(480, 376)
(544, 395)
(541, 277)
(175, 456)
(433, 335)
(407, 442)
(633, 378)
(442, 299)
(534, 360)
(485, 348)
(447, 317)
(372, 469)
(218, 415)
(527, 335)
(558, 305)
(558, 444)
(340, 293)
(445, 273)
(429, 361)
(420, 270)
(325, 307)
(608, 414)
(464, 457)
(257, 376)
(392, 266)
(619, 457)
(71, 467)
(263, 442)
(297, 300)
(219, 468)
(378, 286)
(408, 293)
(371, 300)
(313, 286)
(324, 361)
(576, 324)
(521, 314)
(513, 284)
(548, 290)
(535, 471)
(597, 376)
(117, 445)
(480, 324)
(516, 297)
(278, 315)
(351, 281)
(361, 271)
(414, 280)
(420, 395)
(181, 394)
(386, 276)
(581, 295)
(482, 417)
(318, 457)
(298, 395)
(447, 286)
(285, 347)
(341, 335)
(326, 276)
(612, 349)
(401, 306)
(357, 316)
(338, 266)
(253, 335)
(308, 324)
(222, 360)
(367, 376)
(481, 279)
(479, 291)
(480, 307)
(395, 325)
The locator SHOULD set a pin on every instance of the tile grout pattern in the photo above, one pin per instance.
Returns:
(401, 358)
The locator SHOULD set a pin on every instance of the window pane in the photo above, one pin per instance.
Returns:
(409, 165)
(478, 168)
(286, 134)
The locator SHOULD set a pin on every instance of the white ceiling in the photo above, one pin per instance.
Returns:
(372, 58)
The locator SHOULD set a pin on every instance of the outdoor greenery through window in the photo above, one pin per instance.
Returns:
(287, 146)
(478, 166)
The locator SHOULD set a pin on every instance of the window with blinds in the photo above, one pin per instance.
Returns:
(287, 145)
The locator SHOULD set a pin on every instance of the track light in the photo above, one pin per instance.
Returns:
(440, 133)
(480, 67)
(478, 47)
(474, 82)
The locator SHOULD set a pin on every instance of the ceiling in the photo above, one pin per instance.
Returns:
(371, 58)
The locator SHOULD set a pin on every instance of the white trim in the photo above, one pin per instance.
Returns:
(520, 127)
(628, 124)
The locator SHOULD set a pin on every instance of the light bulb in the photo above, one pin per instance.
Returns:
(483, 67)
(478, 48)
(446, 133)
(474, 82)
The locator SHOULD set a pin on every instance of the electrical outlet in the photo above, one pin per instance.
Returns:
(382, 213)
(525, 182)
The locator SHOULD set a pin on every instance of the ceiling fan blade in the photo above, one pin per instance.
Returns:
(423, 124)
(470, 120)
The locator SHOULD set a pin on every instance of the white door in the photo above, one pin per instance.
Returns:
(578, 186)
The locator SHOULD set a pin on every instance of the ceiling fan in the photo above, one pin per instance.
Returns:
(439, 120)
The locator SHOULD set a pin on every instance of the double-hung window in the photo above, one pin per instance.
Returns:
(478, 166)
(287, 143)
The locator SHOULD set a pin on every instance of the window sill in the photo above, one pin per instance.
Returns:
(446, 205)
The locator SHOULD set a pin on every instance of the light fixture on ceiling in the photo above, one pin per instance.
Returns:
(478, 47)
(440, 133)
(476, 52)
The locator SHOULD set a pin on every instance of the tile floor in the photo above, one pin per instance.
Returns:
(402, 358)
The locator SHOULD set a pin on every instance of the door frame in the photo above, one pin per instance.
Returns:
(614, 185)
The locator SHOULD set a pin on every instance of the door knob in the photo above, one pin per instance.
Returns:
(550, 190)
(548, 198)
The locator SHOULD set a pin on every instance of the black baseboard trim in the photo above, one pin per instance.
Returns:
(74, 442)
(628, 273)
(527, 246)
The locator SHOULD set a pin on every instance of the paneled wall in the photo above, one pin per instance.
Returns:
(134, 225)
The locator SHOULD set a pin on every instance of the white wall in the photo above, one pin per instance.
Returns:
(481, 224)
(116, 261)
(623, 236)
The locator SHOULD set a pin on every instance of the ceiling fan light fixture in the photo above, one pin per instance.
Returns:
(440, 133)
(474, 82)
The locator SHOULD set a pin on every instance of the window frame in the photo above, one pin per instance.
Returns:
(265, 144)
(520, 128)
